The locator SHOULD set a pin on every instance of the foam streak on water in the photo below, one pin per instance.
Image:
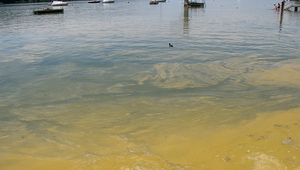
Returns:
(98, 87)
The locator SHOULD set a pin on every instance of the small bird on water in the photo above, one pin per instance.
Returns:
(170, 45)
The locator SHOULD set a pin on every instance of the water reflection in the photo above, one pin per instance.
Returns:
(187, 18)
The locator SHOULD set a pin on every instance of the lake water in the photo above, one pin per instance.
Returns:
(98, 87)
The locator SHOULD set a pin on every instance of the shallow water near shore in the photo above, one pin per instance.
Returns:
(98, 87)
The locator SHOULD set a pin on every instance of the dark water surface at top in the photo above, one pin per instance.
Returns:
(100, 80)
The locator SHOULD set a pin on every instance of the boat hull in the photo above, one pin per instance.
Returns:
(195, 4)
(108, 1)
(94, 2)
(59, 3)
(48, 11)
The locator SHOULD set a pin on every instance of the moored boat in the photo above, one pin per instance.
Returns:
(48, 11)
(94, 1)
(108, 1)
(153, 2)
(59, 3)
(194, 3)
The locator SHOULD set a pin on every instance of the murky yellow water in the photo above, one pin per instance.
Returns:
(270, 141)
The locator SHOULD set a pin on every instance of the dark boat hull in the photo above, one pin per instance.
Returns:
(48, 11)
(94, 2)
(196, 4)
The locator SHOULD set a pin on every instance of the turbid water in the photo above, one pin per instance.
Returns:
(98, 87)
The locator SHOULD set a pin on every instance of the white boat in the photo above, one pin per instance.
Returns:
(108, 1)
(59, 3)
